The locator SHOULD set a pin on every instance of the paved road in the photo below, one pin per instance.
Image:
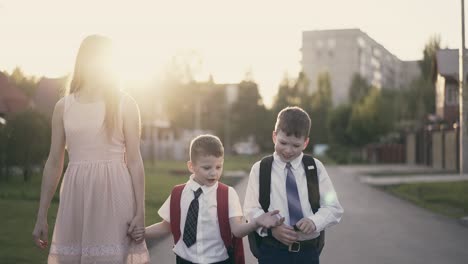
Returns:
(380, 228)
(376, 228)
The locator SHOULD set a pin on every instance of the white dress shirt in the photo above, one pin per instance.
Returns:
(209, 247)
(330, 210)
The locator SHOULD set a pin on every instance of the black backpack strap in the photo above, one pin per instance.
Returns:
(314, 192)
(312, 182)
(264, 185)
(265, 182)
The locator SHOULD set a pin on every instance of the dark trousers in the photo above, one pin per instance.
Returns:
(180, 260)
(275, 255)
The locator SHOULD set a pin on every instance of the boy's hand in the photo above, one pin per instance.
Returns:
(285, 234)
(269, 220)
(306, 225)
(137, 223)
(138, 234)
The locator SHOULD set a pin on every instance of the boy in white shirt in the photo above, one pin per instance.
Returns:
(299, 187)
(204, 215)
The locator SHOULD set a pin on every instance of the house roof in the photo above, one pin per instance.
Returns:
(447, 61)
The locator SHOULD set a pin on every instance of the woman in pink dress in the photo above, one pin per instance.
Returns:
(102, 192)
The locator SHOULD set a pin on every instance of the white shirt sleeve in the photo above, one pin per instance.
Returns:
(235, 208)
(252, 207)
(165, 210)
(330, 211)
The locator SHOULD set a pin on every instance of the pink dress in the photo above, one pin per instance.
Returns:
(96, 196)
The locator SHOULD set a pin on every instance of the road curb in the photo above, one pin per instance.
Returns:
(464, 221)
(395, 180)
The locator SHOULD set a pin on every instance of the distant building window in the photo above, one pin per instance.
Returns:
(451, 94)
(363, 71)
(361, 42)
(376, 52)
(331, 43)
(377, 75)
(440, 91)
(318, 54)
(375, 63)
(319, 43)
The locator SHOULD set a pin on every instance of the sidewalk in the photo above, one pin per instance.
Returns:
(393, 174)
(395, 180)
(414, 174)
(378, 227)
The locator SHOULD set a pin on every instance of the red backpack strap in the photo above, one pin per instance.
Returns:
(175, 211)
(233, 245)
(222, 197)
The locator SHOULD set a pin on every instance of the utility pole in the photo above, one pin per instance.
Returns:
(463, 96)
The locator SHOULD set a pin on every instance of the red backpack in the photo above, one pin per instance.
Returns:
(233, 244)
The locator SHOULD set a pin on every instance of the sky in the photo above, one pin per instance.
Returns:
(229, 38)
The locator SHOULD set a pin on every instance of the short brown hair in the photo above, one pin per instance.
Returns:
(206, 145)
(293, 120)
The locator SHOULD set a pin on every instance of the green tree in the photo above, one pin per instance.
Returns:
(371, 119)
(359, 89)
(417, 100)
(24, 149)
(25, 83)
(338, 122)
(249, 115)
(428, 67)
(427, 64)
(291, 92)
(419, 96)
(179, 103)
(340, 142)
(320, 105)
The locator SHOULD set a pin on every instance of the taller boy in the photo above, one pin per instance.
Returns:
(295, 241)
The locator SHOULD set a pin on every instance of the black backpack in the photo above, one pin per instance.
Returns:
(264, 196)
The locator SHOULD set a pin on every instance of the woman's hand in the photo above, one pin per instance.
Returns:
(41, 233)
(138, 234)
(137, 222)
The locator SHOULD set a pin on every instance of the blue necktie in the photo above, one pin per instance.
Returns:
(190, 228)
(294, 203)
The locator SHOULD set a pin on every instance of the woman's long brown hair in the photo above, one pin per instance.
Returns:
(91, 49)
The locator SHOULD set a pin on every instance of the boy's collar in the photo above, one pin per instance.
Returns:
(295, 163)
(193, 185)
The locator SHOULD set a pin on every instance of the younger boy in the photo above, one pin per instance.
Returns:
(198, 207)
(289, 191)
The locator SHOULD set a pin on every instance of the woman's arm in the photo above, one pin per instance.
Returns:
(132, 128)
(51, 175)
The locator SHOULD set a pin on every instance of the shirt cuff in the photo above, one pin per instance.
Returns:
(318, 221)
(261, 231)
